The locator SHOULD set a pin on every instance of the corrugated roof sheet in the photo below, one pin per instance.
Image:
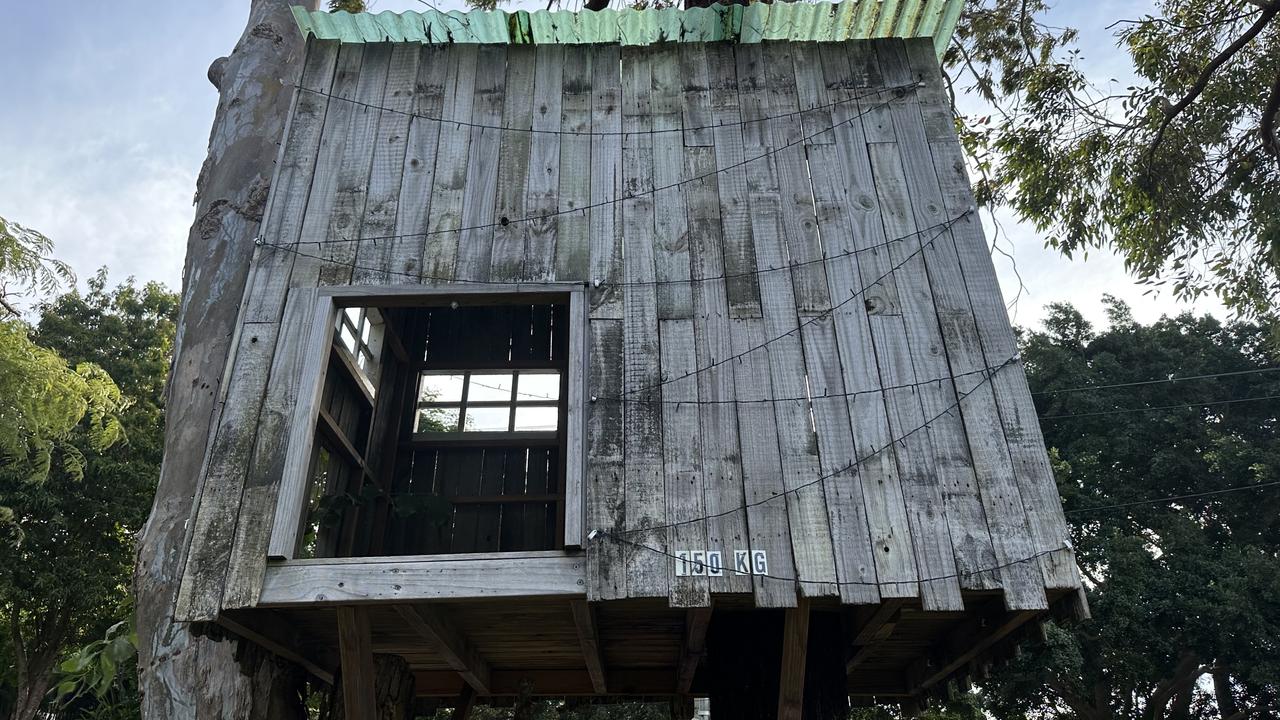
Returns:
(818, 22)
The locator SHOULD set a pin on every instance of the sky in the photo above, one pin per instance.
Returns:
(104, 121)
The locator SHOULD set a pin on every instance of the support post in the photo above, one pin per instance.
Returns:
(355, 650)
(584, 618)
(466, 700)
(795, 645)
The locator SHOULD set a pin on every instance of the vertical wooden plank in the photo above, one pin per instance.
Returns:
(806, 506)
(606, 182)
(304, 141)
(575, 459)
(294, 479)
(696, 98)
(846, 510)
(402, 255)
(573, 247)
(346, 214)
(382, 200)
(213, 529)
(606, 577)
(804, 246)
(476, 237)
(671, 232)
(543, 179)
(248, 561)
(682, 457)
(849, 218)
(739, 259)
(647, 566)
(355, 652)
(987, 529)
(440, 248)
(508, 259)
(753, 100)
(717, 416)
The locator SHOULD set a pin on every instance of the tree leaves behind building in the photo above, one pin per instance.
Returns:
(65, 575)
(1186, 625)
(1177, 169)
(351, 6)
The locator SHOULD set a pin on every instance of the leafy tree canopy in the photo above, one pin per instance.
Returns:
(1183, 593)
(25, 265)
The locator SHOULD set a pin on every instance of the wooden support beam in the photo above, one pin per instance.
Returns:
(584, 618)
(649, 682)
(874, 626)
(434, 626)
(356, 657)
(972, 639)
(274, 634)
(795, 647)
(693, 648)
(466, 700)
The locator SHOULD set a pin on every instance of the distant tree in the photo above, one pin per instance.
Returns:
(68, 543)
(1186, 624)
(351, 6)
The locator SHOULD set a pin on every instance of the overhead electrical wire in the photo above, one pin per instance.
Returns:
(1119, 411)
(872, 91)
(1158, 381)
(504, 222)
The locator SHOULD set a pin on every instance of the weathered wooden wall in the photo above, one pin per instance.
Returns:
(829, 401)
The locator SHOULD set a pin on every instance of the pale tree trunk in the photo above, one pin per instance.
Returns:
(181, 675)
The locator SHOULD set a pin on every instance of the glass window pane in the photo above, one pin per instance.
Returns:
(353, 314)
(488, 419)
(440, 388)
(365, 328)
(537, 418)
(538, 386)
(437, 420)
(347, 338)
(490, 387)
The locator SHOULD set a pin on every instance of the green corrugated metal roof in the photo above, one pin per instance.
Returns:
(819, 22)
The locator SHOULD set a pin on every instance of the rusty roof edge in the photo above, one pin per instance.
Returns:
(796, 21)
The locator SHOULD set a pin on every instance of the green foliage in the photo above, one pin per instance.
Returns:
(92, 669)
(1183, 593)
(65, 574)
(351, 6)
(25, 265)
(1179, 172)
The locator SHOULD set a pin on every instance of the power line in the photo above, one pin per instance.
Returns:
(504, 222)
(1184, 378)
(1175, 498)
(853, 466)
(423, 277)
(897, 89)
(1118, 411)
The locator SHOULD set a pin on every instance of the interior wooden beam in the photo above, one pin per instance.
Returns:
(276, 636)
(435, 627)
(355, 650)
(646, 682)
(693, 647)
(872, 626)
(584, 619)
(795, 647)
(973, 638)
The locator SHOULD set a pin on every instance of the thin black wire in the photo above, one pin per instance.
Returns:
(423, 277)
(1156, 382)
(1119, 411)
(608, 133)
(1175, 498)
(504, 222)
(863, 583)
(808, 321)
(853, 466)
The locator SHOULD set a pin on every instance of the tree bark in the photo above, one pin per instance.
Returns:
(181, 675)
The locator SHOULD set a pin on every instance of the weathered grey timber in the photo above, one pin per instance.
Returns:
(181, 675)
(830, 402)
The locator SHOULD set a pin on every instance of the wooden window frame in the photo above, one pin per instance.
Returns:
(291, 503)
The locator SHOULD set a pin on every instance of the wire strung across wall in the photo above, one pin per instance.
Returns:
(872, 91)
(505, 222)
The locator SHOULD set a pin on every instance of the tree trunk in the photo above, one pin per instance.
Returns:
(181, 675)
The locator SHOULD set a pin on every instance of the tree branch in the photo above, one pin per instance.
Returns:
(1198, 87)
(1267, 128)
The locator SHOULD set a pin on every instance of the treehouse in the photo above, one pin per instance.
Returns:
(642, 353)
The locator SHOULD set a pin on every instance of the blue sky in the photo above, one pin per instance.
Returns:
(105, 114)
